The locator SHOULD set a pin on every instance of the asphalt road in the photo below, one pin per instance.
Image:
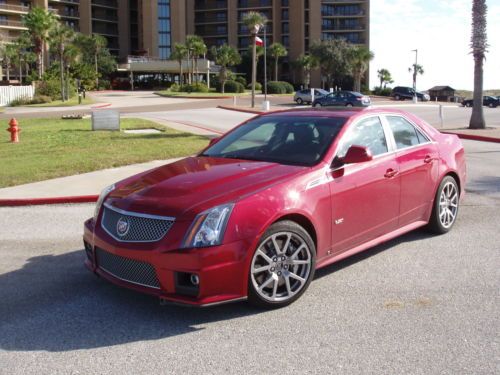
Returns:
(419, 304)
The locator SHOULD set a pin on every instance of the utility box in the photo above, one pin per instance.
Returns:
(107, 119)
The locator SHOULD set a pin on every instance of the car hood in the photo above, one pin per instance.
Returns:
(189, 186)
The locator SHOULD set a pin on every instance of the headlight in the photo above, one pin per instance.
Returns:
(102, 197)
(208, 227)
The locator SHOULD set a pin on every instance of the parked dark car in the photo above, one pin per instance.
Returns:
(403, 92)
(343, 99)
(489, 101)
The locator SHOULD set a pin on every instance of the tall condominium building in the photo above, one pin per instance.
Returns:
(152, 27)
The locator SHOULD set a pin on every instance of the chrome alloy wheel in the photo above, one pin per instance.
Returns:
(448, 204)
(281, 266)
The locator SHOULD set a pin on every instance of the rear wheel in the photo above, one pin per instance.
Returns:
(299, 101)
(397, 97)
(282, 267)
(445, 210)
(348, 105)
(317, 105)
(468, 104)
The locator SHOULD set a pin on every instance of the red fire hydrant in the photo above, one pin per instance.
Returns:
(14, 130)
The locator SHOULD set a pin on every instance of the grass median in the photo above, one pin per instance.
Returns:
(51, 148)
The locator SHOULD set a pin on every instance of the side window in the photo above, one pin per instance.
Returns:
(368, 133)
(405, 134)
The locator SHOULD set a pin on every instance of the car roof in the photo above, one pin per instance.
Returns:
(345, 112)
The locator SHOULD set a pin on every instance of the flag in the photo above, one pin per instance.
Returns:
(258, 41)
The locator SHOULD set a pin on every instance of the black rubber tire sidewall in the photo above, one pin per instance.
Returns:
(282, 226)
(434, 225)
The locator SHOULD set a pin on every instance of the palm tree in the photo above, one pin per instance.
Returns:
(416, 69)
(39, 23)
(307, 63)
(60, 36)
(479, 48)
(9, 53)
(196, 47)
(385, 77)
(359, 58)
(225, 56)
(179, 53)
(97, 43)
(254, 21)
(277, 50)
(71, 55)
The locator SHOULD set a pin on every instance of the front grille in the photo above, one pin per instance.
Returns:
(127, 226)
(126, 269)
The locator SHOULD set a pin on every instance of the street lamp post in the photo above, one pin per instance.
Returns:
(415, 99)
(254, 63)
(265, 64)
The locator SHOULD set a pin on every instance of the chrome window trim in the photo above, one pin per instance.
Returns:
(138, 214)
(386, 123)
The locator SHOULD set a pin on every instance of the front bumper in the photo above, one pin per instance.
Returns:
(222, 270)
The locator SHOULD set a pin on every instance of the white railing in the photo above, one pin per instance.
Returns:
(10, 93)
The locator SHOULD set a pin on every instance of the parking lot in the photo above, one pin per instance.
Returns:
(419, 304)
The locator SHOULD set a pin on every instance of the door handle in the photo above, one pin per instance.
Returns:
(428, 159)
(390, 173)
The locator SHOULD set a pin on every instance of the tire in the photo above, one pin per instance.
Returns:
(397, 97)
(299, 101)
(317, 105)
(270, 281)
(468, 104)
(348, 105)
(445, 206)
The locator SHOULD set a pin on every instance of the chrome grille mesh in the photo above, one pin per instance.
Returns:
(141, 228)
(126, 269)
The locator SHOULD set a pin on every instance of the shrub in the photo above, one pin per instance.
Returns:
(41, 99)
(258, 86)
(20, 101)
(175, 87)
(52, 89)
(194, 87)
(382, 91)
(231, 87)
(241, 80)
(279, 87)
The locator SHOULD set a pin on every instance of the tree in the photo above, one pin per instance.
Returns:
(97, 44)
(416, 69)
(60, 37)
(179, 53)
(71, 56)
(479, 48)
(225, 56)
(385, 77)
(332, 55)
(254, 21)
(277, 50)
(307, 63)
(9, 54)
(39, 22)
(196, 47)
(359, 57)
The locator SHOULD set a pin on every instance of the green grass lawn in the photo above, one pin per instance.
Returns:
(170, 94)
(52, 148)
(59, 103)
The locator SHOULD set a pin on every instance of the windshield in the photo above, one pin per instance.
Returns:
(280, 139)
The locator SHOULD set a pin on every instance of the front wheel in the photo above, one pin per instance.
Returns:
(348, 105)
(282, 266)
(445, 209)
(299, 101)
(317, 105)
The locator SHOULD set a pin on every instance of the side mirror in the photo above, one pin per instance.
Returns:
(214, 141)
(357, 154)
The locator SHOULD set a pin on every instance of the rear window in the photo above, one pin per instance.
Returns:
(405, 134)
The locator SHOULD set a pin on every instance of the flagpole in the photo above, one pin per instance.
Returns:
(265, 64)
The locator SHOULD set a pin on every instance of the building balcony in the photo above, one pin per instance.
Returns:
(13, 9)
(244, 4)
(105, 3)
(72, 2)
(211, 5)
(209, 19)
(11, 24)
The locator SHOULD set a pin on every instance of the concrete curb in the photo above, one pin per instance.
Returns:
(474, 137)
(254, 111)
(52, 200)
(193, 96)
(101, 106)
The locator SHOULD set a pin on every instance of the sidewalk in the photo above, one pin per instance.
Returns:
(84, 187)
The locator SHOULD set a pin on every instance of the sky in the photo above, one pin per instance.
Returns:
(440, 30)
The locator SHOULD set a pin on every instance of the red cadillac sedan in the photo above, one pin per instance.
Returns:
(254, 214)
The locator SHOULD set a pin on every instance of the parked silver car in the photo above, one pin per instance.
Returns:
(304, 96)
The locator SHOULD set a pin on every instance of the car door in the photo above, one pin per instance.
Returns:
(365, 196)
(417, 159)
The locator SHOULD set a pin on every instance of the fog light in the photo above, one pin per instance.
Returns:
(195, 279)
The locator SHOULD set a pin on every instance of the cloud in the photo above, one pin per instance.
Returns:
(440, 30)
